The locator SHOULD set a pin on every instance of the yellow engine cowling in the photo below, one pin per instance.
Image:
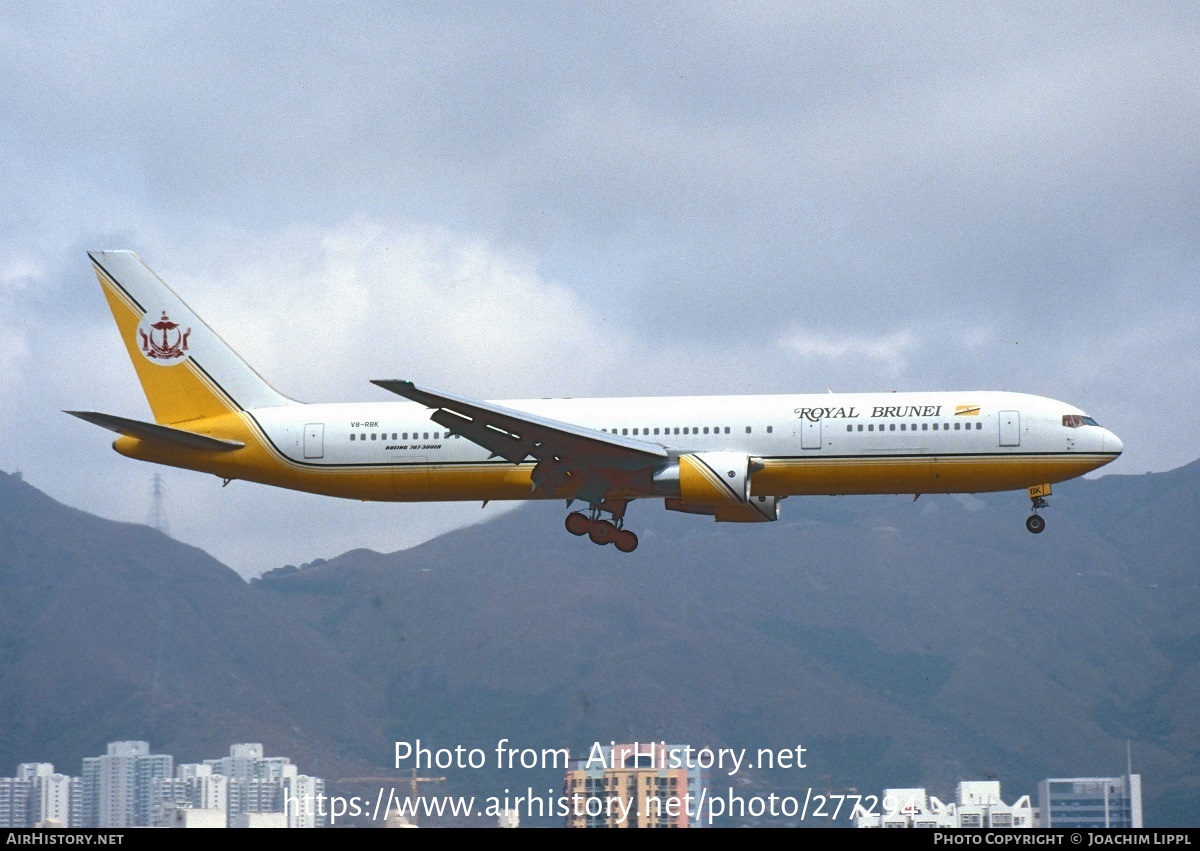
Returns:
(718, 484)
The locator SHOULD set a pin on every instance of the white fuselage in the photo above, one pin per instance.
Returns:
(986, 440)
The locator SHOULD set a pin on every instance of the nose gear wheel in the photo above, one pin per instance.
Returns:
(1035, 523)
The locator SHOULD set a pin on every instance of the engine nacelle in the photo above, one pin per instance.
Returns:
(758, 509)
(718, 484)
(714, 478)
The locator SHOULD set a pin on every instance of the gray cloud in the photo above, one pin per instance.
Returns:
(724, 199)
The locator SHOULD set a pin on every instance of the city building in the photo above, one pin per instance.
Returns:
(193, 787)
(977, 804)
(36, 796)
(1091, 801)
(130, 787)
(259, 820)
(189, 817)
(634, 785)
(14, 800)
(49, 801)
(118, 788)
(258, 785)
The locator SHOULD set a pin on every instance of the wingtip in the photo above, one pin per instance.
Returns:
(98, 253)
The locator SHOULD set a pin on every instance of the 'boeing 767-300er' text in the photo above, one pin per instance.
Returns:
(732, 458)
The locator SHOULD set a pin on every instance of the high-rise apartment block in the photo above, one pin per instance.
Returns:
(130, 787)
(635, 785)
(1091, 801)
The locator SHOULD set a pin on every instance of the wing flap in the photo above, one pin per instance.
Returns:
(159, 433)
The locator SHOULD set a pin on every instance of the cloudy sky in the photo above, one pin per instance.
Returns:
(520, 200)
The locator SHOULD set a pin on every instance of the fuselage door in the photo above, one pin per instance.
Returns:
(314, 440)
(1010, 428)
(810, 434)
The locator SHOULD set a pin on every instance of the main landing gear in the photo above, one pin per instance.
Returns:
(1036, 523)
(603, 531)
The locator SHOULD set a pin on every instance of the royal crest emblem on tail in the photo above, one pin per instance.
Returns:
(164, 341)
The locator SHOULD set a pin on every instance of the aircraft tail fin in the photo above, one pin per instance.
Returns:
(187, 372)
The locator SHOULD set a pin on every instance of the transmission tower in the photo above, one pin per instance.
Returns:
(158, 511)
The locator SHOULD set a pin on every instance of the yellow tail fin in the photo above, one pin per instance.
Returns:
(187, 371)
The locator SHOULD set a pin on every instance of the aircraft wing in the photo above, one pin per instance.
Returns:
(573, 460)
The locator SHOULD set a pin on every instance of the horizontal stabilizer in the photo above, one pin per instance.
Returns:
(159, 433)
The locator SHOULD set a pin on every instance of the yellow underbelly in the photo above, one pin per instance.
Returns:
(915, 474)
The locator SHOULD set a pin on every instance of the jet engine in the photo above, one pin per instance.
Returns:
(717, 484)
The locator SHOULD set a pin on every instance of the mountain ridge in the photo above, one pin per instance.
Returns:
(902, 643)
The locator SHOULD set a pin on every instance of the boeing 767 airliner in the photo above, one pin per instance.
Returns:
(732, 458)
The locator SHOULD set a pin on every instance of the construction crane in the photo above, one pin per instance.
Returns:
(399, 819)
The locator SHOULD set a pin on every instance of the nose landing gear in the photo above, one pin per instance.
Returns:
(604, 532)
(1035, 523)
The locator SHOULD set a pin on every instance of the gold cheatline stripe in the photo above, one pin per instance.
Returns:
(1004, 457)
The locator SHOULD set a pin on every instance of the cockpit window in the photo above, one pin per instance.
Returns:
(1078, 420)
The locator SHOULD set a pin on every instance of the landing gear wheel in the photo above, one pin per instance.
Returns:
(602, 532)
(578, 524)
(1035, 524)
(625, 541)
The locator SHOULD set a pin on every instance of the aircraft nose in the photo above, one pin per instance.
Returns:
(1112, 443)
